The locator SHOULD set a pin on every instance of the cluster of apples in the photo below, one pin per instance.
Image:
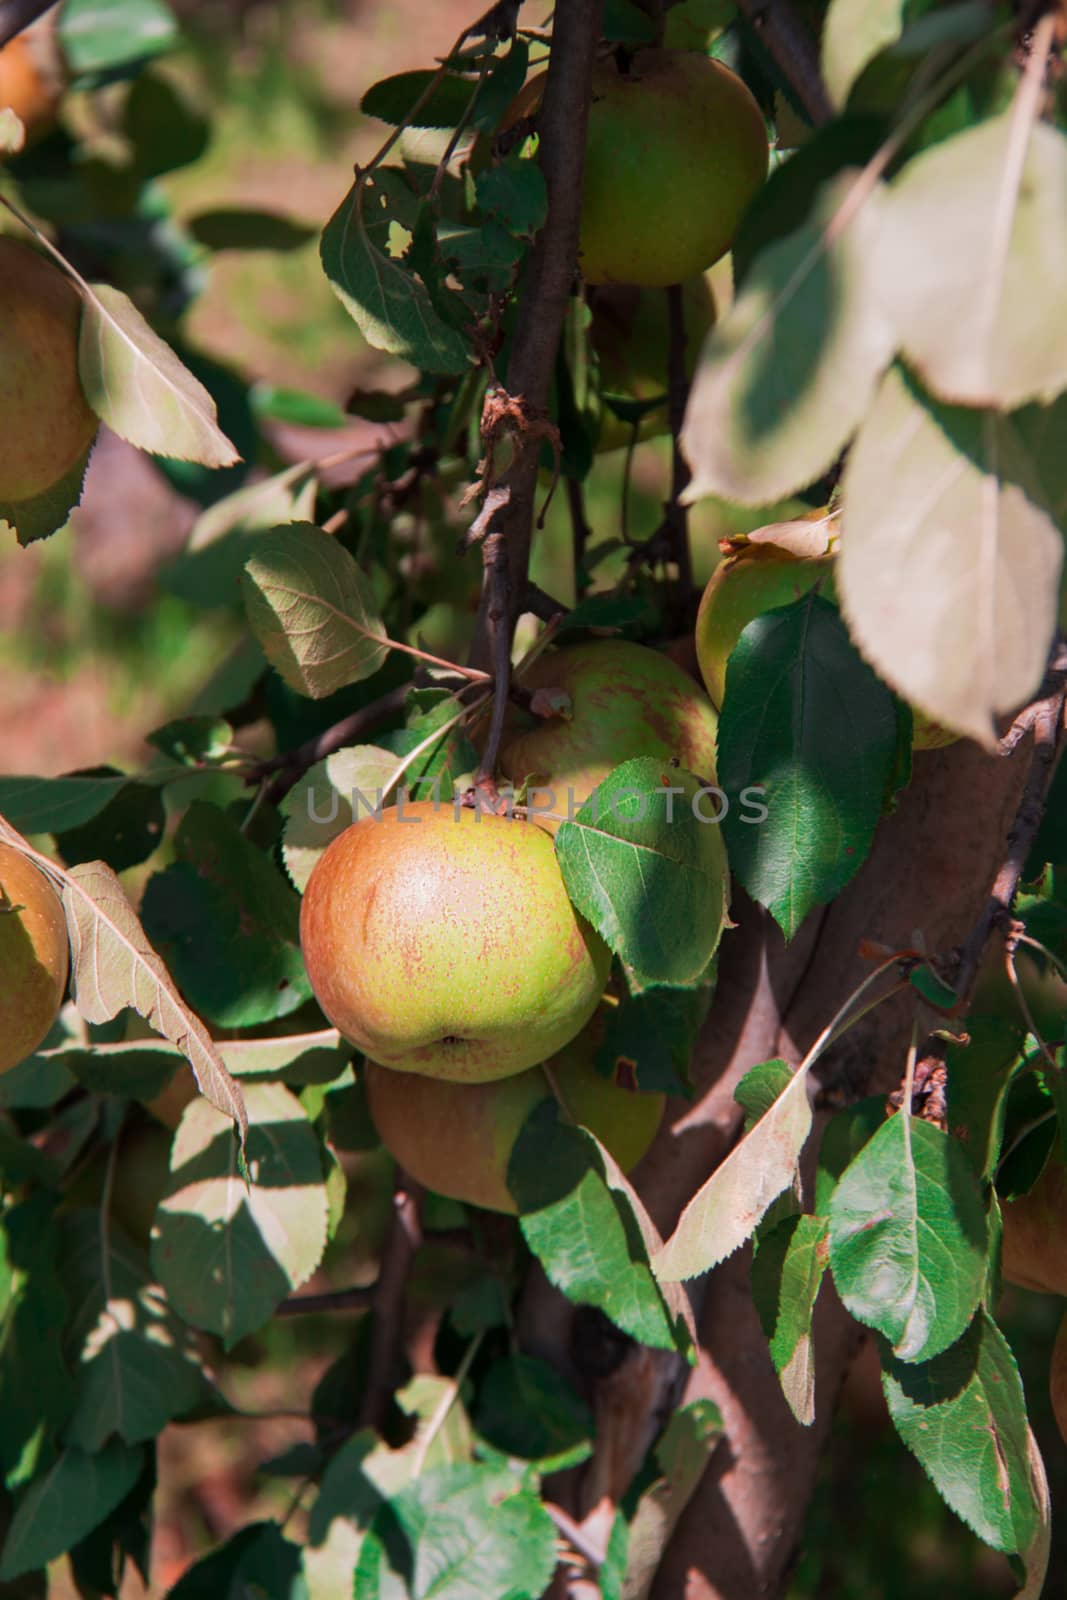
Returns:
(442, 942)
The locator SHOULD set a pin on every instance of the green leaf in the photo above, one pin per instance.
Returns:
(786, 376)
(193, 741)
(909, 1238)
(625, 23)
(227, 923)
(432, 775)
(973, 234)
(126, 832)
(854, 32)
(787, 1273)
(258, 1561)
(760, 1087)
(643, 861)
(312, 609)
(208, 571)
(649, 1037)
(393, 99)
(136, 1365)
(964, 1416)
(320, 806)
(247, 228)
(391, 306)
(45, 513)
(227, 1255)
(470, 1531)
(59, 1509)
(681, 1455)
(581, 1229)
(725, 1210)
(53, 805)
(950, 561)
(106, 38)
(807, 721)
(36, 1392)
(979, 1077)
(514, 192)
(136, 384)
(113, 966)
(526, 1409)
(163, 128)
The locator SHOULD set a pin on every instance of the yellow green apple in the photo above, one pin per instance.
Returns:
(596, 705)
(34, 956)
(457, 1138)
(676, 149)
(441, 940)
(46, 425)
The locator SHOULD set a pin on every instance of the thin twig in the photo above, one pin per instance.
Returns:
(795, 50)
(355, 1299)
(289, 767)
(404, 1238)
(541, 604)
(581, 533)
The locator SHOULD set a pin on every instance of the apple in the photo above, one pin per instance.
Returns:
(1057, 1379)
(32, 75)
(675, 150)
(617, 700)
(46, 425)
(457, 1138)
(1034, 1246)
(631, 337)
(443, 942)
(34, 957)
(759, 575)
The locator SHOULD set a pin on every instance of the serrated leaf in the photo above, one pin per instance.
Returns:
(320, 806)
(853, 33)
(514, 192)
(808, 722)
(312, 609)
(908, 1238)
(787, 1273)
(964, 1416)
(65, 1505)
(584, 1234)
(725, 1210)
(52, 805)
(394, 99)
(126, 832)
(974, 232)
(390, 305)
(137, 385)
(681, 1454)
(228, 924)
(135, 1365)
(949, 565)
(228, 1254)
(643, 861)
(113, 965)
(36, 1392)
(786, 376)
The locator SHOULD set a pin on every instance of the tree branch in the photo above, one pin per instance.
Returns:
(289, 767)
(795, 50)
(390, 1295)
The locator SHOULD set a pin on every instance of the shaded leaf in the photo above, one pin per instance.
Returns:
(854, 32)
(320, 806)
(45, 513)
(908, 1238)
(528, 1410)
(681, 1454)
(137, 385)
(245, 228)
(787, 374)
(227, 1254)
(394, 100)
(313, 610)
(949, 564)
(208, 571)
(787, 1273)
(126, 832)
(67, 1503)
(808, 722)
(53, 805)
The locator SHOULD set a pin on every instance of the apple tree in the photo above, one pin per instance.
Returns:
(587, 966)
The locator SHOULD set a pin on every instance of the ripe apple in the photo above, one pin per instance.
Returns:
(34, 957)
(46, 425)
(444, 943)
(31, 76)
(1034, 1246)
(631, 337)
(759, 576)
(621, 700)
(675, 151)
(457, 1138)
(1057, 1379)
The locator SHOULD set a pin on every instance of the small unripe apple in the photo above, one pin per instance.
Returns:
(617, 700)
(46, 425)
(759, 576)
(1034, 1245)
(676, 149)
(457, 1138)
(443, 942)
(631, 337)
(34, 956)
(1057, 1379)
